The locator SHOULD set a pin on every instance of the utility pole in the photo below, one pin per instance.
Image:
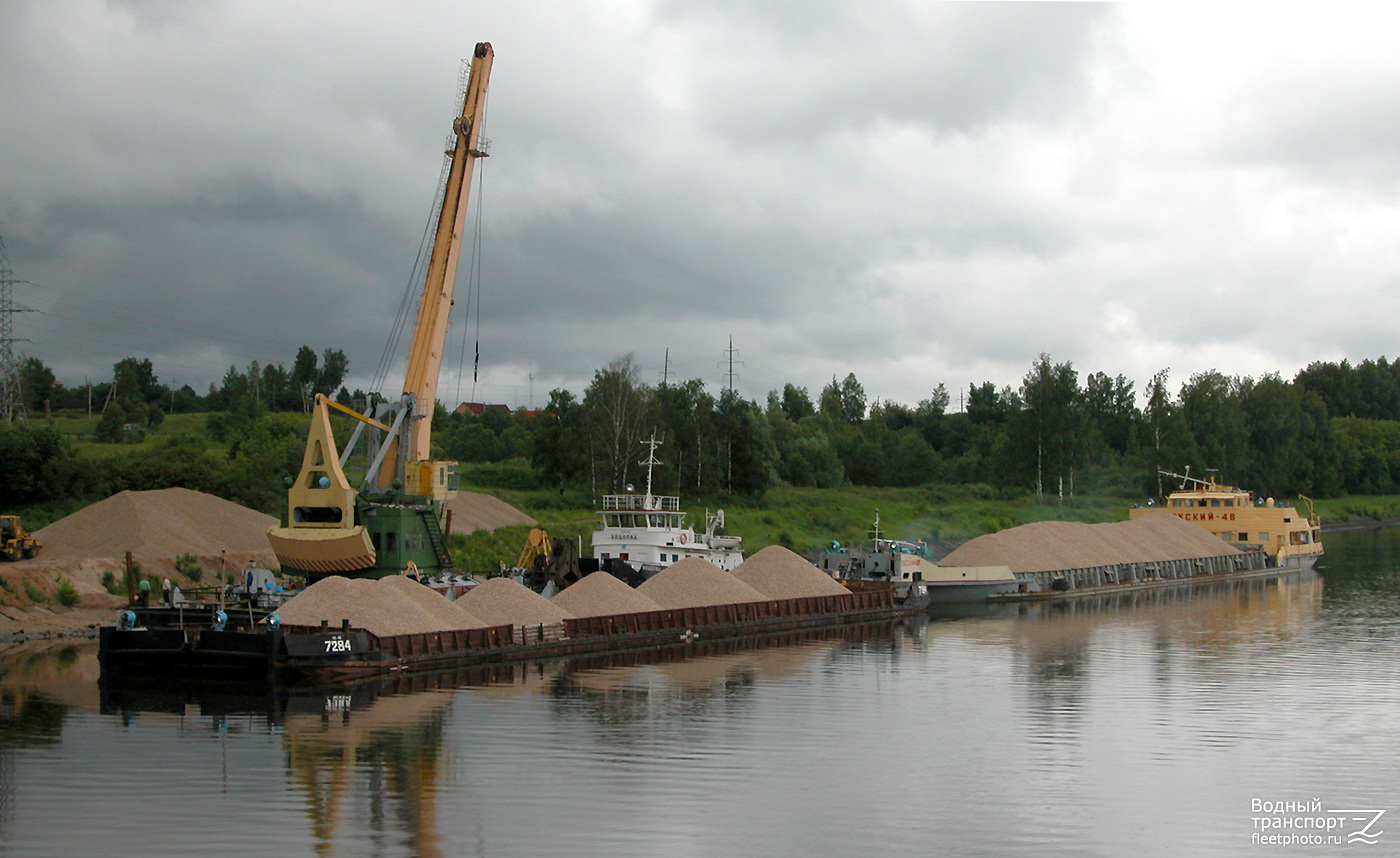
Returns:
(11, 397)
(729, 388)
(729, 354)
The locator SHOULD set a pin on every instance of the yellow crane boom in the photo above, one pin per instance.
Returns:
(425, 354)
(395, 518)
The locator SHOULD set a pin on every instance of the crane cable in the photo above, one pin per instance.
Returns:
(474, 279)
(411, 288)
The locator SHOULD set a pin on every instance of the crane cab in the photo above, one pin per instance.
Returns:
(438, 479)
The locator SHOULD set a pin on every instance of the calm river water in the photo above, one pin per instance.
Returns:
(1190, 723)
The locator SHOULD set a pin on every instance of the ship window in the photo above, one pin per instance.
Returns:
(1227, 536)
(1215, 501)
(1263, 536)
(1201, 502)
(1244, 537)
(1229, 501)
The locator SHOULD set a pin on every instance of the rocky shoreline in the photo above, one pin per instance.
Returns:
(18, 625)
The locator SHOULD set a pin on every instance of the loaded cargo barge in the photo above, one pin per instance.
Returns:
(222, 696)
(1062, 560)
(1134, 577)
(153, 642)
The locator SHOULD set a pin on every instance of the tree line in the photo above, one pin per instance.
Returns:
(1334, 428)
(256, 416)
(138, 393)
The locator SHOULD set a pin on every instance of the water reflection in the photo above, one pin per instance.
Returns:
(365, 765)
(1060, 729)
(383, 761)
(39, 684)
(688, 684)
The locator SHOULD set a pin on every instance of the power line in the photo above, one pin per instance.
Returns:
(730, 361)
(11, 396)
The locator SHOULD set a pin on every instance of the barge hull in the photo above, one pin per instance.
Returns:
(1254, 572)
(339, 654)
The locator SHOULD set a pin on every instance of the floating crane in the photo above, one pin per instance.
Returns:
(395, 517)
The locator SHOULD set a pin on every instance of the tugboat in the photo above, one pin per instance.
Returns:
(1287, 538)
(646, 533)
(908, 567)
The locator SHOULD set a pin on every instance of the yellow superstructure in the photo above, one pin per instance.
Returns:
(1287, 536)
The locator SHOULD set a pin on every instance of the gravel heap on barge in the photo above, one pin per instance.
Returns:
(384, 607)
(779, 573)
(601, 595)
(341, 628)
(696, 583)
(1059, 557)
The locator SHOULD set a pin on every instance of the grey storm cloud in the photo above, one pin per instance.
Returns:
(919, 193)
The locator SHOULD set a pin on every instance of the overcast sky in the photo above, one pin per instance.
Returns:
(920, 193)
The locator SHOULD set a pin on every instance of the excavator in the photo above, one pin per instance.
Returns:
(395, 516)
(15, 542)
(544, 560)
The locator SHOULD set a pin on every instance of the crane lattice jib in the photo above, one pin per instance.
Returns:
(425, 355)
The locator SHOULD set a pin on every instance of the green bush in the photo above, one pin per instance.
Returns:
(66, 658)
(35, 594)
(112, 585)
(509, 474)
(67, 595)
(188, 565)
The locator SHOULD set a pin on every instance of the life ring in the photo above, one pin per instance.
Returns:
(682, 539)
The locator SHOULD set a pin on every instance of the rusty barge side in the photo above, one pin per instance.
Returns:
(325, 653)
(1129, 577)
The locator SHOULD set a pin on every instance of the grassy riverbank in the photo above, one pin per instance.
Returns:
(807, 520)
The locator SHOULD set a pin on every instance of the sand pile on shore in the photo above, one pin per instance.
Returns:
(696, 583)
(389, 606)
(473, 511)
(601, 595)
(156, 527)
(501, 601)
(779, 573)
(162, 523)
(1048, 546)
